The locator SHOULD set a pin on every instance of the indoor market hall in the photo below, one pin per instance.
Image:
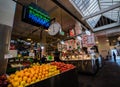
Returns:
(59, 43)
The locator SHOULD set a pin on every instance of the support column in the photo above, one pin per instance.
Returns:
(5, 34)
(7, 10)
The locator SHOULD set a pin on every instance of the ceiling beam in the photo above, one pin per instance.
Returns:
(102, 11)
(105, 27)
(52, 9)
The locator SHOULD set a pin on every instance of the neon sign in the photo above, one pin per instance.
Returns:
(35, 15)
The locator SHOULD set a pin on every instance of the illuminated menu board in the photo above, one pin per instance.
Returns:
(36, 16)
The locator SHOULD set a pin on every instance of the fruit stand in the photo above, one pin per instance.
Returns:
(65, 79)
(18, 63)
(54, 74)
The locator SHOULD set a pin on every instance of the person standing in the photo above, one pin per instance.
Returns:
(114, 53)
(43, 59)
(57, 55)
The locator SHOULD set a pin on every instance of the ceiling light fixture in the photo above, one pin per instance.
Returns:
(87, 32)
(97, 42)
(29, 39)
(79, 38)
(42, 47)
(62, 42)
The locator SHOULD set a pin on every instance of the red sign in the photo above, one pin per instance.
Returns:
(88, 40)
(72, 33)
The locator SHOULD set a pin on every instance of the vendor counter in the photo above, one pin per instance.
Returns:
(90, 66)
(66, 79)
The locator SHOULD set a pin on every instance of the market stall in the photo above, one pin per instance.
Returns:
(89, 63)
(54, 74)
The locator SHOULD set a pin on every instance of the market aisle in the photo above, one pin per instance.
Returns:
(108, 76)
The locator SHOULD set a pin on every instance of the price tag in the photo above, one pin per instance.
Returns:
(12, 60)
(7, 56)
(21, 59)
(17, 60)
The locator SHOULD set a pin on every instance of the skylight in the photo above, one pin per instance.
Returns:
(88, 7)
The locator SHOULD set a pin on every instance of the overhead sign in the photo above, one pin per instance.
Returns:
(36, 16)
(88, 40)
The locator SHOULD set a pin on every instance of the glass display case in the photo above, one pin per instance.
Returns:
(87, 63)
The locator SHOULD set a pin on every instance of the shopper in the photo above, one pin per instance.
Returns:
(43, 59)
(114, 53)
(56, 55)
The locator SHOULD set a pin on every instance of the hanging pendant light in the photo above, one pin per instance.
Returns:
(87, 32)
(62, 42)
(79, 38)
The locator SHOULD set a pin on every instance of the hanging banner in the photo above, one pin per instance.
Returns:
(78, 28)
(88, 40)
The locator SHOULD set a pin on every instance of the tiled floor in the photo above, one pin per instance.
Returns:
(108, 76)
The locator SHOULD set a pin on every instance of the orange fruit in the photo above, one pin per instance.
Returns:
(15, 84)
(28, 80)
(31, 75)
(19, 79)
(34, 78)
(36, 72)
(46, 75)
(23, 83)
(16, 78)
(12, 76)
(42, 76)
(36, 75)
(27, 74)
(39, 77)
(16, 72)
(24, 78)
(20, 86)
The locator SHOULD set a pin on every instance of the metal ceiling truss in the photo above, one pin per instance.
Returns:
(102, 11)
(58, 2)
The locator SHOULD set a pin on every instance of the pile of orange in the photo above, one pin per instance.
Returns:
(31, 75)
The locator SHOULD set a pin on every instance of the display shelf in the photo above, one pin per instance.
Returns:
(65, 79)
(18, 63)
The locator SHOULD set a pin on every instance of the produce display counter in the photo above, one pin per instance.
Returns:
(65, 79)
(18, 63)
(90, 66)
(54, 74)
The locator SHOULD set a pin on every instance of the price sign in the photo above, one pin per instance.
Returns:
(88, 40)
